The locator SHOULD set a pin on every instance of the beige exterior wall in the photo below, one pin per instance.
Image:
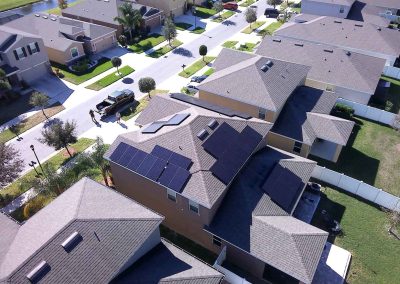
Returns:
(286, 144)
(169, 7)
(337, 153)
(65, 57)
(103, 43)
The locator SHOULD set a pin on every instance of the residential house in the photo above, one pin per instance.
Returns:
(191, 158)
(66, 40)
(333, 8)
(103, 12)
(352, 76)
(171, 8)
(364, 38)
(267, 88)
(93, 234)
(23, 56)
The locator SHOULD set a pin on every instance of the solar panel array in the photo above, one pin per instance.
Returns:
(231, 149)
(283, 187)
(157, 125)
(162, 165)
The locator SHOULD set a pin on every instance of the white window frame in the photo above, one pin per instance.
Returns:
(171, 195)
(195, 205)
(33, 48)
(216, 241)
(77, 52)
(262, 113)
(20, 55)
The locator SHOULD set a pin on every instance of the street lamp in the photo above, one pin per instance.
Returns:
(194, 14)
(183, 67)
(37, 159)
(32, 164)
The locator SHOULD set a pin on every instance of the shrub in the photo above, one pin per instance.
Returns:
(343, 110)
(80, 66)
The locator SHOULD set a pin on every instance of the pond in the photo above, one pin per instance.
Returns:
(35, 7)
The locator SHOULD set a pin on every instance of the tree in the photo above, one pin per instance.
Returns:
(146, 85)
(274, 2)
(394, 221)
(251, 15)
(38, 99)
(130, 18)
(10, 164)
(219, 7)
(122, 40)
(116, 62)
(203, 51)
(16, 130)
(60, 135)
(169, 30)
(62, 4)
(4, 84)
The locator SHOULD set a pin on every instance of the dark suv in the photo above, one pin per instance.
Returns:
(271, 13)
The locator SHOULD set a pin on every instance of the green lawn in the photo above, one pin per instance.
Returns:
(24, 183)
(269, 30)
(192, 69)
(248, 47)
(253, 27)
(247, 3)
(183, 26)
(198, 30)
(57, 11)
(75, 78)
(375, 253)
(31, 121)
(111, 78)
(224, 16)
(204, 13)
(230, 43)
(165, 49)
(209, 72)
(371, 155)
(11, 4)
(393, 102)
(148, 43)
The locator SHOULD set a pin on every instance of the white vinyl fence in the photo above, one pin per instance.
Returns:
(391, 71)
(371, 113)
(366, 191)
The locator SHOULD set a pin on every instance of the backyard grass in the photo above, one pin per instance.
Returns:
(165, 49)
(209, 72)
(198, 30)
(372, 155)
(75, 78)
(11, 4)
(148, 43)
(31, 121)
(248, 47)
(12, 109)
(204, 13)
(230, 43)
(183, 26)
(270, 29)
(111, 78)
(192, 69)
(247, 3)
(393, 101)
(224, 16)
(375, 253)
(57, 10)
(253, 27)
(24, 183)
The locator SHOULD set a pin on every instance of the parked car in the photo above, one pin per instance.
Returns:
(115, 101)
(192, 88)
(231, 6)
(271, 13)
(198, 79)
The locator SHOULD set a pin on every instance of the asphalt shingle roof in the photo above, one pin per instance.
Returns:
(334, 66)
(336, 2)
(247, 83)
(360, 11)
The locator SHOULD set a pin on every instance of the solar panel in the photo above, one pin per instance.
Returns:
(128, 155)
(249, 138)
(136, 160)
(179, 180)
(180, 160)
(161, 152)
(119, 151)
(223, 171)
(177, 119)
(153, 128)
(156, 170)
(146, 165)
(168, 174)
(216, 143)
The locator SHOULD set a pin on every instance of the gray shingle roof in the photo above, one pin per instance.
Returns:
(336, 2)
(360, 11)
(334, 66)
(98, 214)
(247, 83)
(384, 3)
(202, 187)
(305, 117)
(255, 227)
(343, 33)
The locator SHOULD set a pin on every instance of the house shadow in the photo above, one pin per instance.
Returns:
(53, 87)
(51, 121)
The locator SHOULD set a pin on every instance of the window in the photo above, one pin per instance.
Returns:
(262, 113)
(297, 147)
(193, 206)
(171, 195)
(341, 10)
(1, 57)
(20, 53)
(33, 48)
(217, 241)
(74, 52)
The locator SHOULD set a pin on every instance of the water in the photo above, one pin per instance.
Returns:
(36, 7)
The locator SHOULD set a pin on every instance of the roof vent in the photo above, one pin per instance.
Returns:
(264, 68)
(337, 22)
(328, 50)
(44, 17)
(269, 63)
(276, 40)
(53, 19)
(299, 44)
(202, 134)
(38, 272)
(71, 242)
(348, 53)
(212, 124)
(379, 28)
(37, 15)
(358, 25)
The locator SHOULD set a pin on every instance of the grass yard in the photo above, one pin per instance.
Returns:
(57, 10)
(247, 3)
(183, 26)
(32, 121)
(253, 27)
(11, 4)
(375, 253)
(372, 155)
(204, 13)
(270, 29)
(198, 30)
(224, 16)
(209, 72)
(192, 69)
(111, 78)
(148, 43)
(248, 47)
(24, 183)
(10, 110)
(230, 43)
(75, 78)
(165, 49)
(393, 101)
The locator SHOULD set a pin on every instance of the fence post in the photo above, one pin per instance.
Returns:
(361, 182)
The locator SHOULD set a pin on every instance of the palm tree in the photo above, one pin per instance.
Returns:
(129, 19)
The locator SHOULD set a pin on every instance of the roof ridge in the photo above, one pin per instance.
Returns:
(85, 179)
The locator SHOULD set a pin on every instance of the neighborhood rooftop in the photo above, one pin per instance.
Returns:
(254, 79)
(336, 2)
(9, 35)
(334, 66)
(360, 11)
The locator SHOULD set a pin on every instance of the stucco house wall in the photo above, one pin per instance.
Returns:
(286, 144)
(324, 9)
(64, 57)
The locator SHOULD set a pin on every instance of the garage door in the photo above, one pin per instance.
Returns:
(35, 73)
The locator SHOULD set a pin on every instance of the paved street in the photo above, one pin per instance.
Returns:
(161, 70)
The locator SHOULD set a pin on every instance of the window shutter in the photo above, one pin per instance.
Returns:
(29, 50)
(24, 51)
(16, 55)
(37, 47)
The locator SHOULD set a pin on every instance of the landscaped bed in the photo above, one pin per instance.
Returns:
(247, 3)
(270, 29)
(375, 253)
(148, 43)
(111, 78)
(165, 49)
(253, 27)
(198, 30)
(224, 16)
(230, 43)
(192, 69)
(247, 46)
(372, 155)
